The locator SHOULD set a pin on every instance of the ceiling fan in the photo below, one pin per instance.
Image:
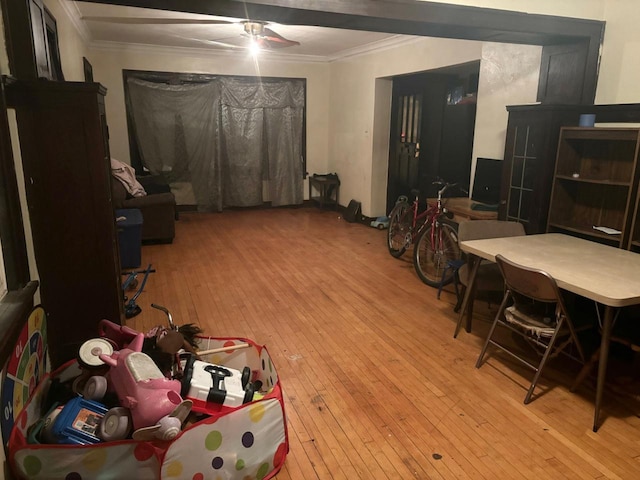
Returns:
(266, 37)
(257, 31)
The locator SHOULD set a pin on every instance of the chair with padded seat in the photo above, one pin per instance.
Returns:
(488, 277)
(532, 307)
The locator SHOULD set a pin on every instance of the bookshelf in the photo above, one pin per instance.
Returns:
(594, 193)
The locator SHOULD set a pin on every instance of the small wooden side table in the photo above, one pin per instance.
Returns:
(328, 188)
(461, 208)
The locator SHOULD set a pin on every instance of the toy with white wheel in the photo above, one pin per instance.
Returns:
(154, 403)
(116, 425)
(168, 427)
(90, 351)
(95, 388)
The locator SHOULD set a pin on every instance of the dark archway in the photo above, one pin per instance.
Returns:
(571, 46)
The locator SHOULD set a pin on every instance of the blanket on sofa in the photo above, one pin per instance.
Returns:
(127, 176)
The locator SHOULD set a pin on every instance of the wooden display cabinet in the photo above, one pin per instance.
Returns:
(529, 160)
(595, 184)
(531, 146)
(65, 155)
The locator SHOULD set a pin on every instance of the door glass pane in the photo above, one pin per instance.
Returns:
(516, 172)
(514, 202)
(529, 173)
(525, 205)
(409, 130)
(416, 118)
(521, 139)
(532, 145)
(403, 130)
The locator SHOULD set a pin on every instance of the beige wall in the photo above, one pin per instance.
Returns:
(108, 66)
(353, 101)
(342, 98)
(508, 76)
(348, 99)
(591, 9)
(619, 80)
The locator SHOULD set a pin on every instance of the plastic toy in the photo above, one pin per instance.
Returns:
(76, 422)
(162, 344)
(380, 223)
(152, 401)
(131, 309)
(214, 388)
(249, 441)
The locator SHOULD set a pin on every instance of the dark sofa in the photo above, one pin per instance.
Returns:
(158, 207)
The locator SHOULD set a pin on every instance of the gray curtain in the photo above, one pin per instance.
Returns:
(237, 142)
(177, 132)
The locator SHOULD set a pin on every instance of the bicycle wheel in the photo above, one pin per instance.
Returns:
(399, 233)
(430, 259)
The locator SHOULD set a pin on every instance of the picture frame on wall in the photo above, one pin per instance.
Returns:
(88, 70)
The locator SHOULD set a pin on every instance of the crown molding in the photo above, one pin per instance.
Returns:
(379, 46)
(73, 13)
(201, 52)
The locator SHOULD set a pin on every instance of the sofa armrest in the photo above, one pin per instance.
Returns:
(150, 200)
(158, 214)
(154, 184)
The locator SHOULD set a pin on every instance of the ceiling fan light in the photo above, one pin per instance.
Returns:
(254, 47)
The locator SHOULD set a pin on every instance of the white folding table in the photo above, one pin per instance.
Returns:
(607, 275)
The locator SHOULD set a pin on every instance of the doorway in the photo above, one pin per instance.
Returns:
(431, 135)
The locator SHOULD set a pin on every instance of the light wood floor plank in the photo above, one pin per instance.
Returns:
(375, 386)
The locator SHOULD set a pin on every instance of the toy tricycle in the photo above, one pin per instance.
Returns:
(150, 403)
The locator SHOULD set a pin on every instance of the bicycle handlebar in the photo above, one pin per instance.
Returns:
(444, 185)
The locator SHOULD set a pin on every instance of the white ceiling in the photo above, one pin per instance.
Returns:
(104, 26)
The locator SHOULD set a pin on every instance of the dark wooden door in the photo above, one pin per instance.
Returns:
(416, 127)
(457, 144)
(562, 75)
(432, 126)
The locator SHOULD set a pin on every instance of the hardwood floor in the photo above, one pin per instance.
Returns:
(375, 385)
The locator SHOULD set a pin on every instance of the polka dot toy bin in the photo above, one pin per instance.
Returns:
(243, 443)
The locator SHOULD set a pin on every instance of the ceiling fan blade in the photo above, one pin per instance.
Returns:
(218, 41)
(266, 44)
(156, 21)
(277, 40)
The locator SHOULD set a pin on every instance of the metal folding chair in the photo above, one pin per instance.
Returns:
(533, 308)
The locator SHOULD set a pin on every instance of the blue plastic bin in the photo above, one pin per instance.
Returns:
(129, 223)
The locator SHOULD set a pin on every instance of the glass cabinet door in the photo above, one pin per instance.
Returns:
(522, 178)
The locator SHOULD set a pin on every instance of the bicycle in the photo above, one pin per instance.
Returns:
(435, 242)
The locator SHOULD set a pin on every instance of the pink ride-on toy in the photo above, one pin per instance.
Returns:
(152, 403)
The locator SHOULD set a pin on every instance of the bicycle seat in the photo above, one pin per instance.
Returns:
(415, 192)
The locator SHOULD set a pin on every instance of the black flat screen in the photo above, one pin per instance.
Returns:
(486, 183)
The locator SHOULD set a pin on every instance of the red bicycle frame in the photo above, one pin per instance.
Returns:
(431, 214)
